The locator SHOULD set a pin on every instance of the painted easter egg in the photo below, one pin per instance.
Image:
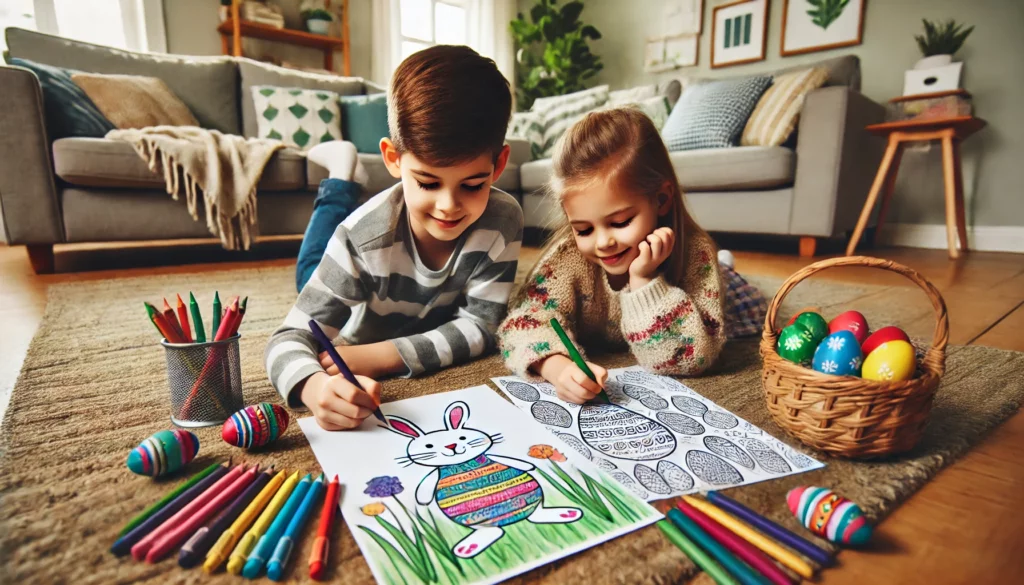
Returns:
(801, 312)
(815, 325)
(165, 452)
(255, 426)
(829, 515)
(795, 344)
(620, 433)
(838, 354)
(851, 321)
(881, 336)
(892, 361)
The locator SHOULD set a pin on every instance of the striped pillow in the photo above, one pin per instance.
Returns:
(69, 111)
(560, 112)
(775, 116)
(529, 126)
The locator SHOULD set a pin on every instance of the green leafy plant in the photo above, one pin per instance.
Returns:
(942, 38)
(317, 14)
(825, 12)
(553, 57)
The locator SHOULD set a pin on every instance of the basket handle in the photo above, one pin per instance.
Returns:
(936, 354)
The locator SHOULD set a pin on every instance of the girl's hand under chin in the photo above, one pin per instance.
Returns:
(653, 251)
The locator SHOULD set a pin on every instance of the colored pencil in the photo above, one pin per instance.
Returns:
(142, 548)
(798, 565)
(241, 552)
(216, 313)
(325, 341)
(574, 354)
(238, 318)
(786, 537)
(124, 544)
(227, 541)
(172, 320)
(151, 311)
(259, 556)
(142, 516)
(698, 556)
(742, 573)
(162, 325)
(195, 549)
(745, 551)
(318, 557)
(181, 531)
(224, 331)
(283, 549)
(197, 318)
(183, 320)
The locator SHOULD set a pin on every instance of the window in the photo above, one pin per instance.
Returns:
(424, 23)
(126, 24)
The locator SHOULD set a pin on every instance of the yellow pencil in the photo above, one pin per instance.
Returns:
(800, 566)
(245, 546)
(229, 538)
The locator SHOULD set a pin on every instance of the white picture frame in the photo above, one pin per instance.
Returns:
(739, 33)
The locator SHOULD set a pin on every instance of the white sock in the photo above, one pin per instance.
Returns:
(726, 257)
(340, 159)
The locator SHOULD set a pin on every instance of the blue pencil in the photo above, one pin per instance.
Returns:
(261, 553)
(342, 366)
(278, 562)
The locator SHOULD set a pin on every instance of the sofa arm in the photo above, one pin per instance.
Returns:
(28, 196)
(836, 161)
(520, 150)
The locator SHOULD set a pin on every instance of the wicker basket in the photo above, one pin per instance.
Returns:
(846, 415)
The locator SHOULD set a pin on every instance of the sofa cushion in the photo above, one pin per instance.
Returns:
(712, 114)
(135, 101)
(301, 118)
(98, 162)
(776, 114)
(255, 73)
(364, 121)
(558, 113)
(69, 111)
(207, 85)
(709, 169)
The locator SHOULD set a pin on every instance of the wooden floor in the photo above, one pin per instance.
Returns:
(966, 526)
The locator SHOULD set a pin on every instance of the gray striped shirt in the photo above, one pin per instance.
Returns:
(371, 286)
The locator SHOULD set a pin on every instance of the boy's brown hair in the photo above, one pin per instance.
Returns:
(448, 105)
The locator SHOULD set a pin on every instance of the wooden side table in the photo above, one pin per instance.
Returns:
(950, 131)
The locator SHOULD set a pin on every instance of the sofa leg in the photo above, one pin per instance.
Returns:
(807, 246)
(41, 258)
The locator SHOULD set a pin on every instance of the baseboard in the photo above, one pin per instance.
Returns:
(982, 238)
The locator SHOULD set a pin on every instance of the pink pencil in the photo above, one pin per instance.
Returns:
(736, 545)
(142, 547)
(180, 533)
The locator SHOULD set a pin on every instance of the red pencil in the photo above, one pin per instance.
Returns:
(179, 533)
(141, 548)
(318, 558)
(183, 320)
(224, 332)
(168, 314)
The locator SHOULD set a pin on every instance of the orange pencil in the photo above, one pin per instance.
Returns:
(161, 323)
(168, 314)
(183, 320)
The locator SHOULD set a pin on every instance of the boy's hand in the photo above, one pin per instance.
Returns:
(337, 404)
(570, 383)
(653, 251)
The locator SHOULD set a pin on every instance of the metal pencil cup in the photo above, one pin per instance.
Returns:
(205, 381)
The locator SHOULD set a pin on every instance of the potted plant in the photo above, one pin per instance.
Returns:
(316, 16)
(939, 42)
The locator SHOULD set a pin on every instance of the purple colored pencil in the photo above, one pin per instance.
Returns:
(786, 537)
(124, 544)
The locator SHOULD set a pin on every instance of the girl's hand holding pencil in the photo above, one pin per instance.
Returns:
(571, 383)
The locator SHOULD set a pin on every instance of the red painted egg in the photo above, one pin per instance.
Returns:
(890, 333)
(801, 312)
(851, 321)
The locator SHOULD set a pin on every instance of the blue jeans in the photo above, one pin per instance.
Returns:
(334, 202)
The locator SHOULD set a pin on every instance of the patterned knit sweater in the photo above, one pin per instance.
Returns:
(670, 329)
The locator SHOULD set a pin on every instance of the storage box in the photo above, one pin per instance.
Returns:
(930, 106)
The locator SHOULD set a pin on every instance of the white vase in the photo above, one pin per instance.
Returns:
(318, 26)
(934, 61)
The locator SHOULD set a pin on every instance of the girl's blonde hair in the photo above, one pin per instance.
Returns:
(621, 144)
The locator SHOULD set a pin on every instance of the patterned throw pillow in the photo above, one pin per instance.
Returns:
(775, 116)
(656, 108)
(298, 117)
(530, 127)
(712, 114)
(560, 112)
(69, 112)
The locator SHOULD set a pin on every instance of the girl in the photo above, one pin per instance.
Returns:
(628, 266)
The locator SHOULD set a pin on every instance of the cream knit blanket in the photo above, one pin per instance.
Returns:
(223, 168)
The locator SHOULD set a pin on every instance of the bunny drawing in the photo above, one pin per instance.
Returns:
(472, 487)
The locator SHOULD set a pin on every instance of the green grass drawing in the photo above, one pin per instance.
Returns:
(825, 12)
(423, 555)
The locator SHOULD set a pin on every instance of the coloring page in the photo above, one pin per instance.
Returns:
(463, 487)
(659, 438)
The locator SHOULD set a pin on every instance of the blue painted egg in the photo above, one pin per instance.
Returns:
(165, 452)
(838, 354)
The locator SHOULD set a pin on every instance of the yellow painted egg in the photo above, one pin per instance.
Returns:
(892, 361)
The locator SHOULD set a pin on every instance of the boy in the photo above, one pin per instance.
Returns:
(418, 277)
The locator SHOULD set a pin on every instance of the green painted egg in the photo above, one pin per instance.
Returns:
(796, 344)
(815, 324)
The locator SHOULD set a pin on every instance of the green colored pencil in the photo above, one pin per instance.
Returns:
(197, 318)
(216, 313)
(733, 565)
(166, 499)
(151, 310)
(698, 556)
(575, 355)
